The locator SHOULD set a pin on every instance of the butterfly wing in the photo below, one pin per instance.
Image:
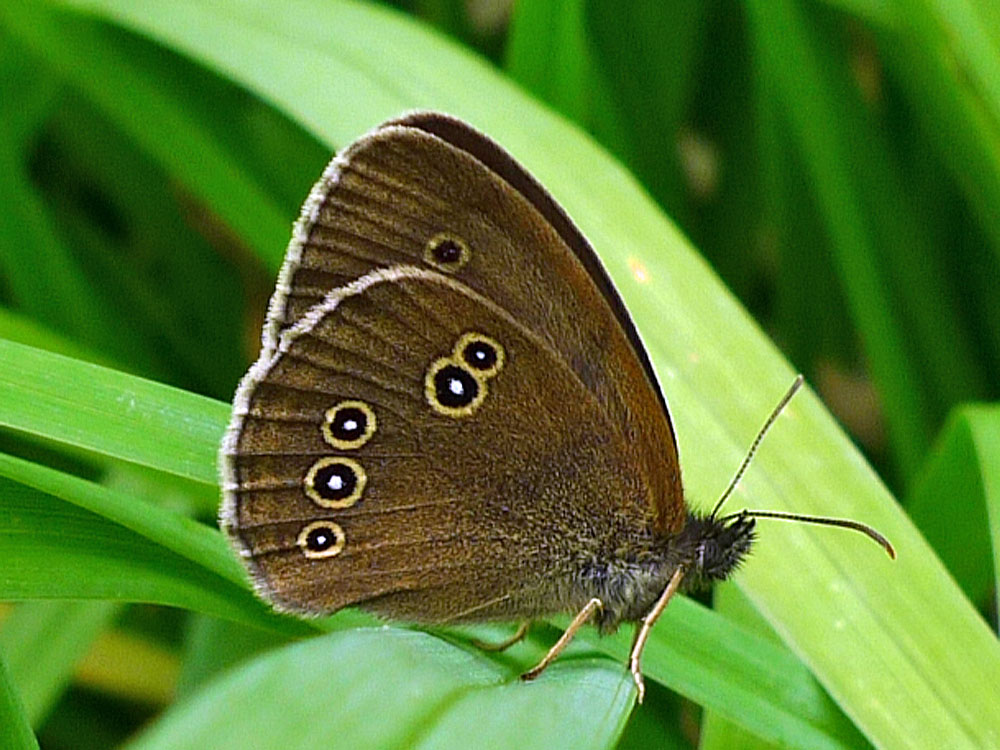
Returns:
(411, 446)
(429, 178)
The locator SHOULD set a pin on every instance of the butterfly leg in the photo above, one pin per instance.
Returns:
(522, 630)
(644, 628)
(582, 616)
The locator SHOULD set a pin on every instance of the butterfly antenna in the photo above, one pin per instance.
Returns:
(844, 523)
(756, 444)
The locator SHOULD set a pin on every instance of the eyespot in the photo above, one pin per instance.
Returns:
(446, 252)
(481, 353)
(349, 425)
(453, 390)
(321, 539)
(335, 482)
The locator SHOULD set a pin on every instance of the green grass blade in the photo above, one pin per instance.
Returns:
(550, 54)
(956, 502)
(984, 422)
(649, 54)
(110, 412)
(953, 502)
(207, 549)
(154, 115)
(22, 329)
(717, 732)
(192, 540)
(44, 641)
(946, 56)
(35, 264)
(876, 12)
(99, 546)
(748, 679)
(17, 734)
(789, 56)
(547, 54)
(212, 646)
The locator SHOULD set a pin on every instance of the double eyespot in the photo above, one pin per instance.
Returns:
(455, 386)
(336, 482)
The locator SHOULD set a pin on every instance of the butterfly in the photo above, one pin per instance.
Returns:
(453, 418)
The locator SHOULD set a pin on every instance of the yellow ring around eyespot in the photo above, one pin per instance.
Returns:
(473, 337)
(430, 391)
(434, 242)
(333, 551)
(370, 425)
(345, 502)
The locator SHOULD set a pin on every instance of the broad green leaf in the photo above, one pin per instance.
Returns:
(395, 689)
(746, 678)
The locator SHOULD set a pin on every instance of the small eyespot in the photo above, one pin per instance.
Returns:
(349, 425)
(481, 353)
(321, 539)
(446, 252)
(453, 390)
(335, 482)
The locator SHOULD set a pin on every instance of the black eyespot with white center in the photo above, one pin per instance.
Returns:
(446, 252)
(335, 482)
(321, 539)
(452, 389)
(481, 353)
(455, 387)
(349, 425)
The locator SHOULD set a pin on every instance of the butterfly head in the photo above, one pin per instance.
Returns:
(715, 547)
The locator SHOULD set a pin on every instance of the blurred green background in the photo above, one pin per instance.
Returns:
(836, 163)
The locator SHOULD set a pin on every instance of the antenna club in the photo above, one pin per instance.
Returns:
(844, 523)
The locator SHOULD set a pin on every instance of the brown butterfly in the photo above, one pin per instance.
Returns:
(453, 418)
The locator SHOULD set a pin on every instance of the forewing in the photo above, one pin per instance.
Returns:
(387, 198)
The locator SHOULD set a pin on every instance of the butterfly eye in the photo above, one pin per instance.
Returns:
(453, 390)
(349, 424)
(446, 252)
(481, 353)
(335, 482)
(321, 539)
